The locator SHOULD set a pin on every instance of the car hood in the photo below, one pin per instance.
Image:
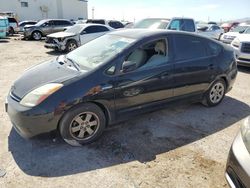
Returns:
(39, 75)
(233, 34)
(61, 35)
(244, 37)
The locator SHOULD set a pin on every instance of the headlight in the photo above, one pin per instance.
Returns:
(245, 132)
(236, 43)
(38, 95)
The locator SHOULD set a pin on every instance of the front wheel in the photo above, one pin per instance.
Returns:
(37, 35)
(71, 45)
(82, 125)
(215, 94)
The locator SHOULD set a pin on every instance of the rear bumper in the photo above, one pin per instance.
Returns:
(238, 165)
(30, 122)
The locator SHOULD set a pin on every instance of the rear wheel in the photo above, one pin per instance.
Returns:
(37, 35)
(215, 94)
(71, 45)
(82, 125)
(11, 31)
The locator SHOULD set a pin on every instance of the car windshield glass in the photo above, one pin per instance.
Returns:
(75, 29)
(40, 22)
(152, 24)
(247, 31)
(239, 29)
(3, 23)
(99, 51)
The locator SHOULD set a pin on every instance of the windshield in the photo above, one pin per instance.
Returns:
(239, 29)
(247, 31)
(3, 23)
(75, 29)
(152, 24)
(99, 51)
(40, 22)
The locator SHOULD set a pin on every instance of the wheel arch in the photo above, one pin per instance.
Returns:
(104, 109)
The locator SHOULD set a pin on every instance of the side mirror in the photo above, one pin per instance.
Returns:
(128, 66)
(242, 31)
(83, 32)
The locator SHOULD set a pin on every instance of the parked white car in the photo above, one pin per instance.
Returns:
(210, 30)
(75, 36)
(241, 45)
(231, 35)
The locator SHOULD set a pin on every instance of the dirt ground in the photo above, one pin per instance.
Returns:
(180, 146)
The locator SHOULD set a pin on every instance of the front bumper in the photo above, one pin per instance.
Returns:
(30, 122)
(27, 33)
(238, 165)
(242, 59)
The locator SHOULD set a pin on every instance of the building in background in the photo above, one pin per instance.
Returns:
(42, 9)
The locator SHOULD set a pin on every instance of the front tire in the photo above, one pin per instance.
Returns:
(71, 45)
(37, 35)
(82, 125)
(215, 94)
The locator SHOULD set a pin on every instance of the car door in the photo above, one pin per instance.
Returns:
(194, 67)
(146, 84)
(47, 27)
(92, 32)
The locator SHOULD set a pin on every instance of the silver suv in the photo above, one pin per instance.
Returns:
(45, 27)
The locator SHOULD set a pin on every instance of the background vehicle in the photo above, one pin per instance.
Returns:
(112, 23)
(241, 45)
(75, 36)
(117, 75)
(4, 25)
(228, 26)
(25, 23)
(179, 24)
(210, 30)
(238, 163)
(45, 27)
(13, 25)
(230, 36)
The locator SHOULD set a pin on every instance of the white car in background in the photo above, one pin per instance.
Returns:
(75, 36)
(231, 35)
(210, 30)
(241, 45)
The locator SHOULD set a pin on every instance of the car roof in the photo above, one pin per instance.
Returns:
(143, 33)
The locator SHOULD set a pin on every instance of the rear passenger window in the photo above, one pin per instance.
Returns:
(189, 47)
(213, 48)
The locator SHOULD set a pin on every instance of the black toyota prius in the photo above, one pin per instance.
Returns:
(115, 76)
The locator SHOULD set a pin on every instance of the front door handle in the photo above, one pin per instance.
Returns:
(107, 87)
(164, 75)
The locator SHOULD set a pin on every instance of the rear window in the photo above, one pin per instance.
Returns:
(182, 25)
(189, 47)
(96, 21)
(116, 24)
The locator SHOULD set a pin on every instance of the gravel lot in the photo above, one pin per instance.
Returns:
(180, 146)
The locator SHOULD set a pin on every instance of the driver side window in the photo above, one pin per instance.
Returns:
(150, 55)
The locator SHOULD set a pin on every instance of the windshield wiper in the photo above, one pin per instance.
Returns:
(75, 64)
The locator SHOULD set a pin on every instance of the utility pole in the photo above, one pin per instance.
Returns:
(93, 12)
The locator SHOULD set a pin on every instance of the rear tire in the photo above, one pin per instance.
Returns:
(71, 45)
(82, 124)
(11, 31)
(215, 94)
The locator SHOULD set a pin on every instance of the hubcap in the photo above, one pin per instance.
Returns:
(84, 126)
(72, 46)
(216, 93)
(37, 36)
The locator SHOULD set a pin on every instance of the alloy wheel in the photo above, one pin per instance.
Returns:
(217, 93)
(84, 126)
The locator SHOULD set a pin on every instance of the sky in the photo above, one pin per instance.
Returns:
(200, 10)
